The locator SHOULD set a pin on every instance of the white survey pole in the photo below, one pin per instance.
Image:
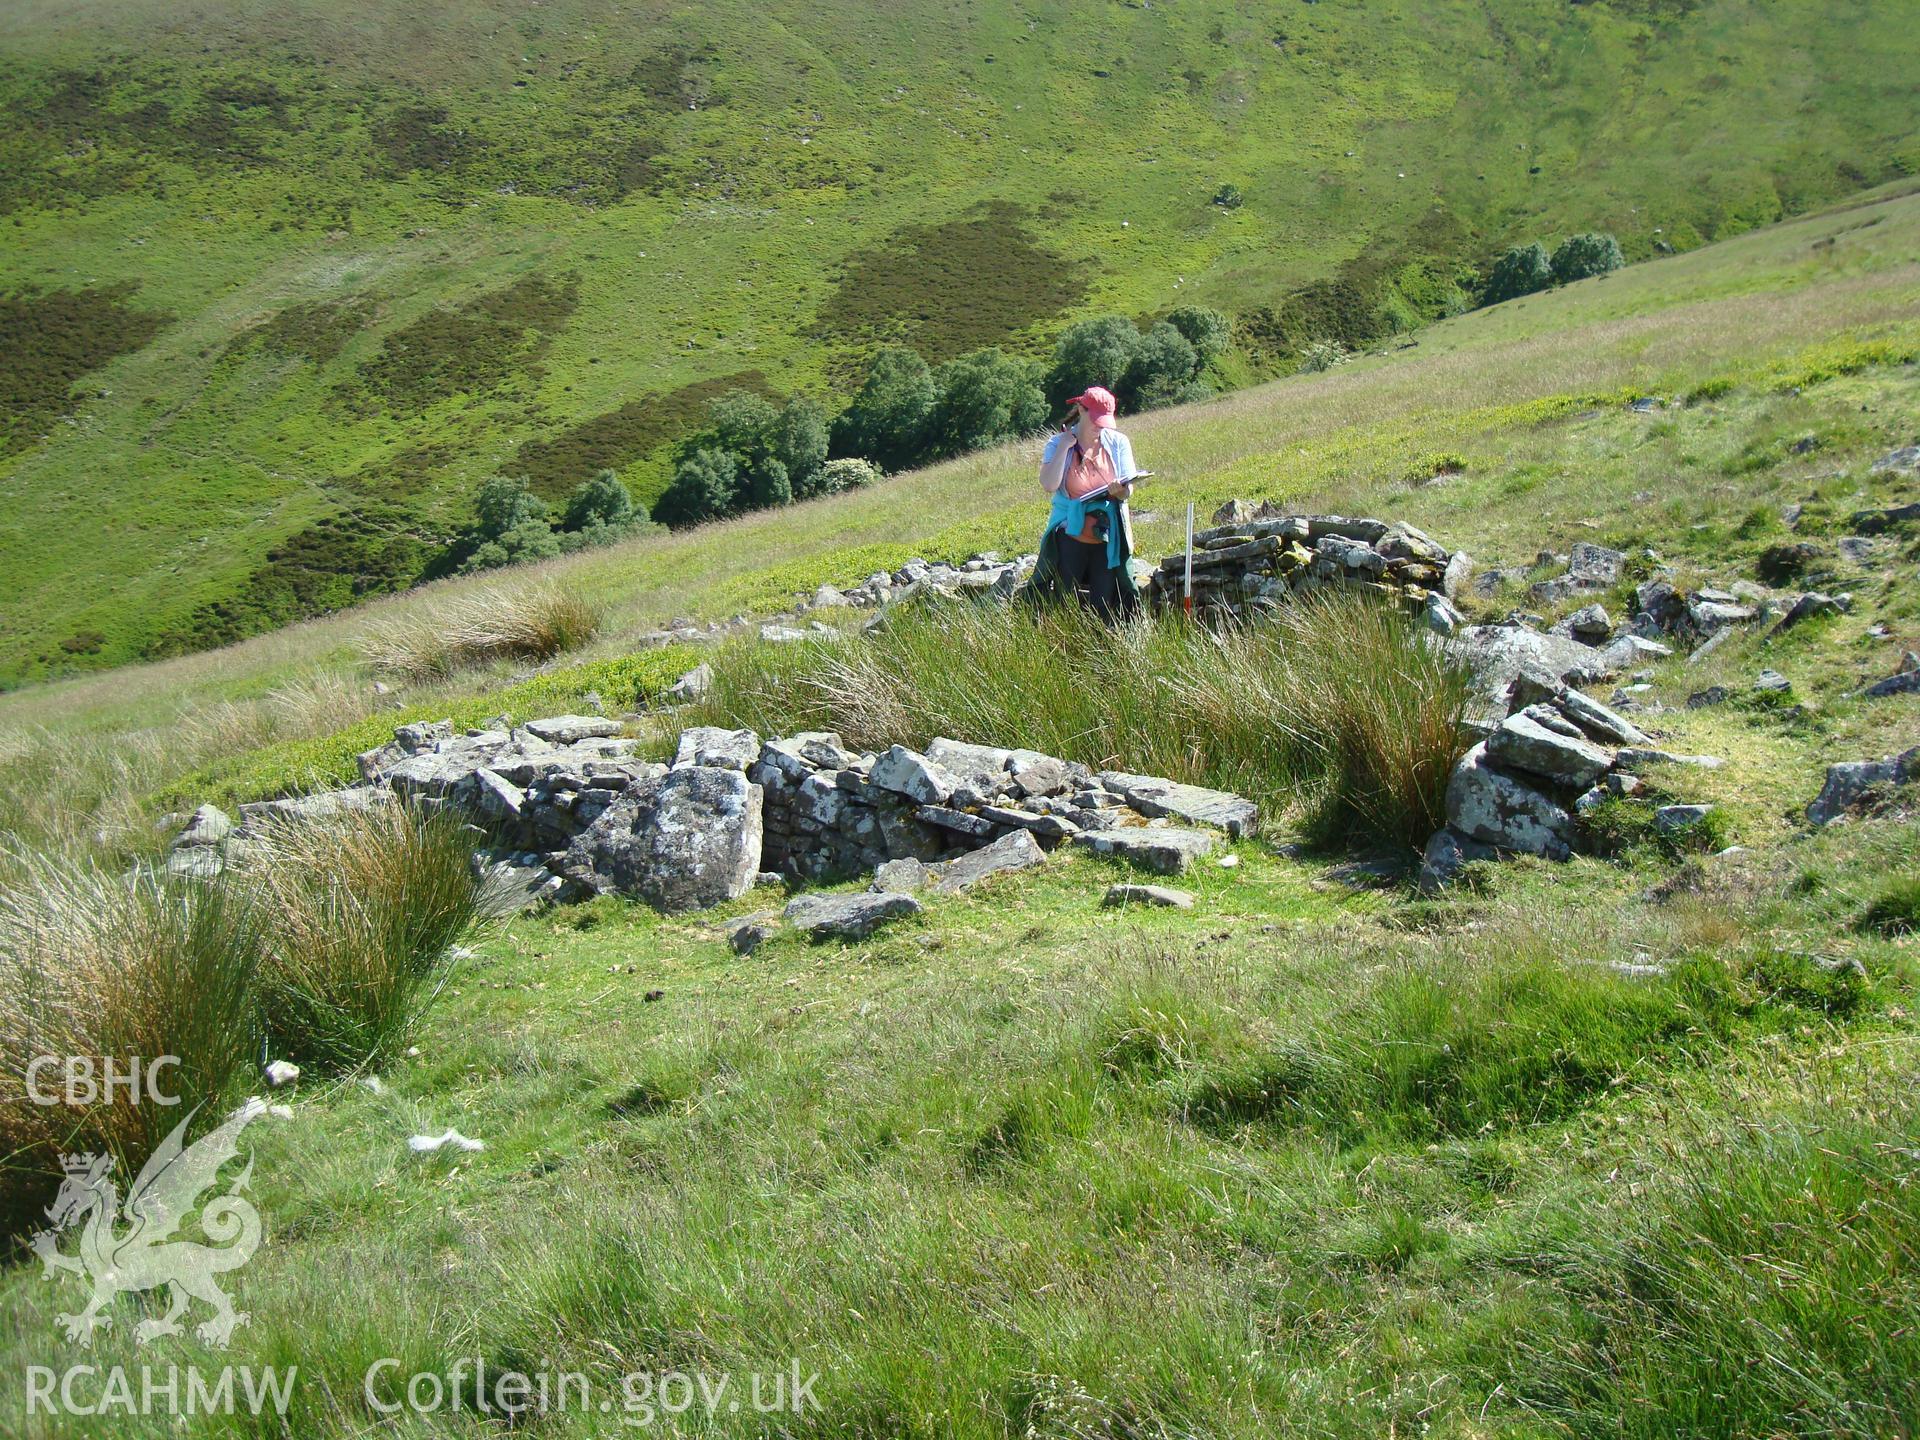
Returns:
(1188, 606)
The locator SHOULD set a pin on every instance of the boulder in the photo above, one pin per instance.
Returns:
(1035, 774)
(1010, 853)
(570, 729)
(1594, 566)
(909, 773)
(1491, 806)
(1497, 653)
(209, 825)
(750, 932)
(1905, 683)
(1539, 741)
(195, 862)
(1161, 895)
(983, 766)
(1808, 607)
(715, 746)
(1449, 852)
(690, 686)
(902, 877)
(1855, 784)
(687, 840)
(1164, 851)
(1672, 819)
(847, 917)
(1194, 804)
(1600, 723)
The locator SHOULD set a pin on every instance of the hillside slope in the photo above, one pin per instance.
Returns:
(283, 282)
(1616, 1147)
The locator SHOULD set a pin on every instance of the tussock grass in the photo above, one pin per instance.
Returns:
(363, 909)
(1769, 1291)
(1338, 711)
(97, 965)
(321, 949)
(527, 622)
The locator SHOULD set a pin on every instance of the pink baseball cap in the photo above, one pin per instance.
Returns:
(1097, 401)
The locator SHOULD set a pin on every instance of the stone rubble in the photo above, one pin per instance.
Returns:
(1256, 557)
(564, 808)
(1554, 758)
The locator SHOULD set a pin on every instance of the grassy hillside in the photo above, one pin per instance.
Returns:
(1310, 1158)
(283, 282)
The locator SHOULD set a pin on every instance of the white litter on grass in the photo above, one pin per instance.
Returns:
(462, 952)
(280, 1112)
(427, 1144)
(282, 1072)
(373, 1083)
(413, 1052)
(1227, 862)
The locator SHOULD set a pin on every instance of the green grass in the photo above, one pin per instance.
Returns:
(1619, 1146)
(388, 259)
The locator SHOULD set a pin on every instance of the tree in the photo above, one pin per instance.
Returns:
(704, 486)
(742, 423)
(1161, 369)
(1208, 331)
(800, 443)
(1093, 352)
(1580, 256)
(1521, 271)
(503, 503)
(768, 484)
(985, 397)
(602, 502)
(886, 422)
(847, 473)
(531, 540)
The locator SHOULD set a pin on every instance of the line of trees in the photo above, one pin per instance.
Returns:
(752, 453)
(1527, 268)
(512, 524)
(908, 413)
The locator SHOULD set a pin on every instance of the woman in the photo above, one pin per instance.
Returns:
(1087, 468)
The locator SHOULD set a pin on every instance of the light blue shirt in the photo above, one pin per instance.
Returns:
(1071, 515)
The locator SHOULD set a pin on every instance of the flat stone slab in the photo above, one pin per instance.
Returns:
(1161, 895)
(1153, 796)
(848, 917)
(712, 745)
(1018, 851)
(570, 729)
(1164, 851)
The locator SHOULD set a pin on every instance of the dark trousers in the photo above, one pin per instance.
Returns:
(1084, 568)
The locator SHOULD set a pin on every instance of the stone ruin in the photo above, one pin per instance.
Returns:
(563, 809)
(1555, 756)
(1255, 557)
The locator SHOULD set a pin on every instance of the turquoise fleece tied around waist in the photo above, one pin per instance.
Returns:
(1071, 516)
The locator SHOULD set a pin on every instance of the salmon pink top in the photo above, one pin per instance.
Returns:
(1088, 473)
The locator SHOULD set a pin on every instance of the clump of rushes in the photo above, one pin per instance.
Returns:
(97, 966)
(1338, 711)
(364, 908)
(529, 622)
(1895, 910)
